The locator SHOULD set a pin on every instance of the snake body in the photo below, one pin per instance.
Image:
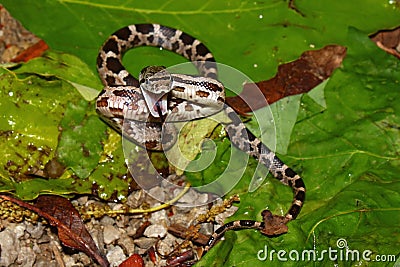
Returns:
(124, 97)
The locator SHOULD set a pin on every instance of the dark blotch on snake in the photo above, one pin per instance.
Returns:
(202, 50)
(300, 195)
(111, 45)
(179, 89)
(290, 173)
(189, 53)
(202, 93)
(114, 65)
(187, 39)
(279, 175)
(294, 211)
(110, 80)
(151, 39)
(123, 33)
(145, 28)
(175, 46)
(299, 183)
(213, 87)
(99, 61)
(135, 41)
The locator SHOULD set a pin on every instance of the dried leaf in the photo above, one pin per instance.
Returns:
(141, 229)
(71, 230)
(183, 258)
(187, 233)
(299, 76)
(134, 260)
(388, 40)
(16, 43)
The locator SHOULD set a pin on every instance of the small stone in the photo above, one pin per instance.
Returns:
(165, 245)
(81, 200)
(122, 221)
(84, 259)
(76, 259)
(36, 231)
(19, 231)
(9, 247)
(44, 239)
(107, 220)
(36, 249)
(190, 197)
(145, 243)
(135, 199)
(96, 231)
(155, 230)
(115, 256)
(157, 193)
(46, 263)
(68, 260)
(132, 227)
(159, 217)
(206, 228)
(26, 257)
(110, 234)
(203, 199)
(127, 244)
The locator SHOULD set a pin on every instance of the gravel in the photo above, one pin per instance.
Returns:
(28, 243)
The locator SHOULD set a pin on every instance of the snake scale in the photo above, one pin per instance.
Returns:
(181, 97)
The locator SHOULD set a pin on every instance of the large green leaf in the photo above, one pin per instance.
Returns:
(347, 150)
(252, 36)
(45, 119)
(349, 157)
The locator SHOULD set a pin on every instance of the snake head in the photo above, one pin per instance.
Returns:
(155, 84)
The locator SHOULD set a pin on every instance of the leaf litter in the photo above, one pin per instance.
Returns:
(60, 213)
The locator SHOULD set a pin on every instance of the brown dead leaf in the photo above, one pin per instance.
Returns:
(59, 212)
(141, 229)
(388, 40)
(274, 225)
(134, 260)
(17, 43)
(295, 77)
(187, 233)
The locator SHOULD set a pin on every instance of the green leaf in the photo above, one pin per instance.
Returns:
(348, 158)
(31, 111)
(67, 67)
(252, 36)
(347, 150)
(111, 179)
(79, 147)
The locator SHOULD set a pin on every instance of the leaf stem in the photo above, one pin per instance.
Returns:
(153, 209)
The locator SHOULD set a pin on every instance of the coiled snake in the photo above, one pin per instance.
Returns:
(145, 105)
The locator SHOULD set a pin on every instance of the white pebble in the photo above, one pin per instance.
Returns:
(19, 230)
(110, 234)
(26, 257)
(155, 230)
(116, 256)
(9, 247)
